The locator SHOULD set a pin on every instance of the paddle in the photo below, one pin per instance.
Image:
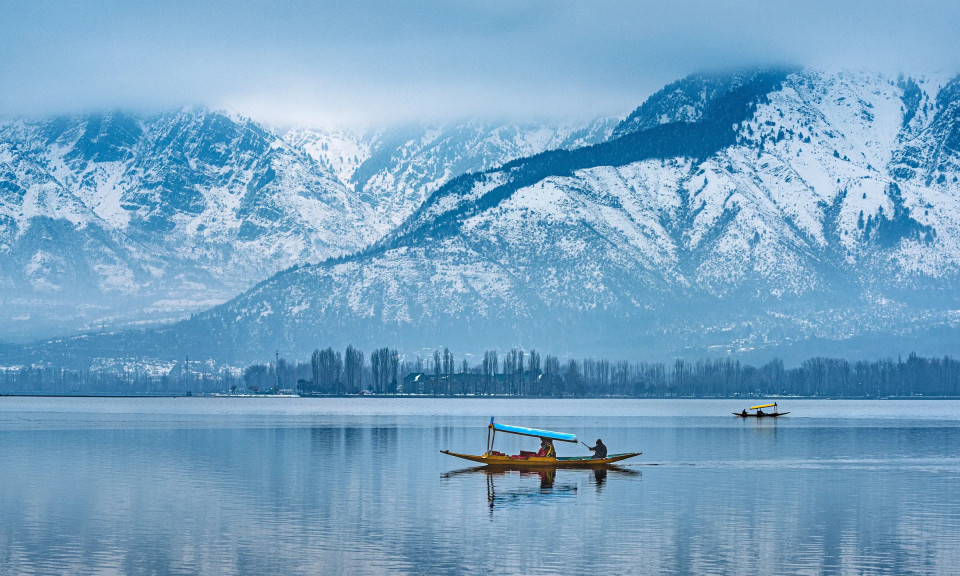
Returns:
(588, 447)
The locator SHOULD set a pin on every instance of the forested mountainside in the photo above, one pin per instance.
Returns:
(119, 218)
(730, 213)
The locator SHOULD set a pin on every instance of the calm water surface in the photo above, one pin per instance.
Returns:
(353, 486)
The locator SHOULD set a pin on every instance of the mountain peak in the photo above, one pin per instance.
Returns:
(687, 99)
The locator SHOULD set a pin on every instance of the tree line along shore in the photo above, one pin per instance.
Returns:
(516, 373)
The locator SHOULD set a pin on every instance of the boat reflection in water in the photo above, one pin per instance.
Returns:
(547, 490)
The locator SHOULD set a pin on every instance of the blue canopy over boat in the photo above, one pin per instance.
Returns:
(563, 437)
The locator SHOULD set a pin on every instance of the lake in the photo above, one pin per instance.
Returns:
(359, 486)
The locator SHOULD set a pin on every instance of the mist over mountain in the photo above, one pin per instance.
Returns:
(756, 211)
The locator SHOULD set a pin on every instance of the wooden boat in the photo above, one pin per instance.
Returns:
(526, 460)
(497, 470)
(760, 413)
(543, 462)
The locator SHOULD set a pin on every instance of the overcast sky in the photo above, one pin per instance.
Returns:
(375, 62)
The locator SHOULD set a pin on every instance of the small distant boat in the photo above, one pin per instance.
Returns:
(759, 412)
(529, 459)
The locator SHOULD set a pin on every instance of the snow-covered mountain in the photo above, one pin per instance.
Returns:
(117, 215)
(761, 209)
(119, 218)
(736, 212)
(395, 170)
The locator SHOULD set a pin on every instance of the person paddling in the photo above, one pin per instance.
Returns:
(600, 450)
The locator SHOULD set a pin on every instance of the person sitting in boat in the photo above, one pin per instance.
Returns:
(546, 449)
(744, 413)
(600, 450)
(759, 411)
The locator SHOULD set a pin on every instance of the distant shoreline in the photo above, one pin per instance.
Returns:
(96, 396)
(471, 397)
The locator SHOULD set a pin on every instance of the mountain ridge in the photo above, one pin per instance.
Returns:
(151, 217)
(798, 206)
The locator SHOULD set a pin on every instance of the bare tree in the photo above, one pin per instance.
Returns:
(551, 375)
(533, 372)
(353, 369)
(315, 371)
(394, 366)
(489, 370)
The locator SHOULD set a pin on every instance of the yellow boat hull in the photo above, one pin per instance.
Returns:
(542, 462)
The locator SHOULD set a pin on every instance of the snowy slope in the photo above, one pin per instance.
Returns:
(396, 169)
(159, 215)
(782, 213)
(751, 211)
(124, 218)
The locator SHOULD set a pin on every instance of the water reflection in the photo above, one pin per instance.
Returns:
(548, 490)
(373, 494)
(537, 485)
(599, 477)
